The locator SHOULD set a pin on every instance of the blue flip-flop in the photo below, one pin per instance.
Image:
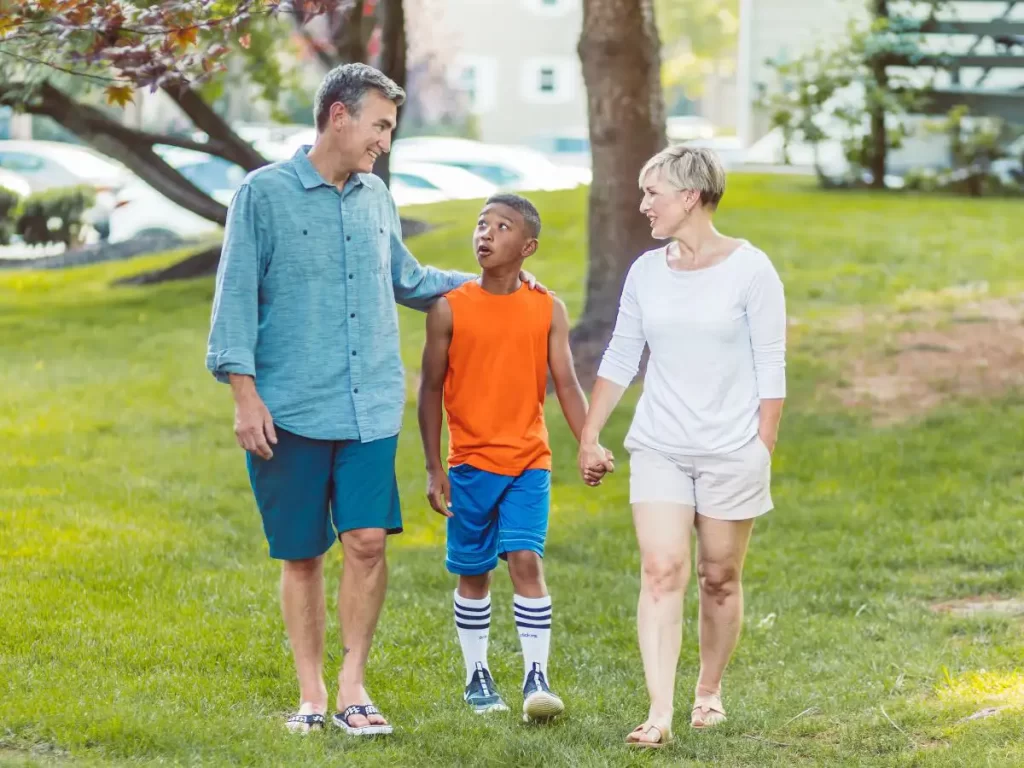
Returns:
(341, 719)
(302, 723)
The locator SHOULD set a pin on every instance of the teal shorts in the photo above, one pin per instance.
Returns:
(312, 491)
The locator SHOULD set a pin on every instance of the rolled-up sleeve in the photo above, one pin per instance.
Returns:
(235, 316)
(766, 315)
(415, 285)
(621, 361)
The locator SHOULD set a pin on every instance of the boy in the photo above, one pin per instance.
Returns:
(490, 344)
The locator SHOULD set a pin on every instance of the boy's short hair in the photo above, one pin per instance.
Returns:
(525, 208)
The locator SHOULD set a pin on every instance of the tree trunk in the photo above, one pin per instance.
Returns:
(350, 34)
(393, 64)
(619, 50)
(879, 139)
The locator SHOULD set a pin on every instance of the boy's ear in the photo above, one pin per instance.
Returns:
(530, 248)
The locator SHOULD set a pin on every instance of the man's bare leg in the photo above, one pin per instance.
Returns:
(302, 603)
(360, 598)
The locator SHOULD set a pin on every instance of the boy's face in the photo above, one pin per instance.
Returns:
(501, 237)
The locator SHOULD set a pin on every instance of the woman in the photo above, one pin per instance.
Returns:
(712, 310)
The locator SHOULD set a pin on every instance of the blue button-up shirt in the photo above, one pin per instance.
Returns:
(305, 301)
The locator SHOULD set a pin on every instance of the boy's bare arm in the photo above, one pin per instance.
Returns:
(570, 394)
(434, 369)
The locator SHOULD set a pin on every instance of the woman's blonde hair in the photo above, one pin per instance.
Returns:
(685, 167)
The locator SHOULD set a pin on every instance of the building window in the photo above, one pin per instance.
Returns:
(467, 83)
(476, 76)
(552, 7)
(550, 79)
(547, 80)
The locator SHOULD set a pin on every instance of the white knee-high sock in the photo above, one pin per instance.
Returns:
(473, 623)
(533, 620)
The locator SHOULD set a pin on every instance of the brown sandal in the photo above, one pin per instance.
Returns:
(663, 740)
(707, 711)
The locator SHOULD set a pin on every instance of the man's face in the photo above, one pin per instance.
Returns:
(501, 237)
(365, 135)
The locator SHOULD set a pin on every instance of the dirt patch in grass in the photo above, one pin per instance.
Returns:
(975, 350)
(987, 605)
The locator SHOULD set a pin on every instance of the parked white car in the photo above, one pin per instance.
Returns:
(507, 167)
(15, 183)
(141, 210)
(418, 183)
(51, 164)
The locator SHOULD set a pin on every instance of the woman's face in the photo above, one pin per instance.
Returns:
(664, 206)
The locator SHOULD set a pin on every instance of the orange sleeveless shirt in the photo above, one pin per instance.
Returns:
(497, 379)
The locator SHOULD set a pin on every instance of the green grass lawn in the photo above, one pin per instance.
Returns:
(139, 609)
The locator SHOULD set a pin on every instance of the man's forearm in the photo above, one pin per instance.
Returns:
(429, 413)
(243, 386)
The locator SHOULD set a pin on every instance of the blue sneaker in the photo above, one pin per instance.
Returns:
(481, 694)
(539, 703)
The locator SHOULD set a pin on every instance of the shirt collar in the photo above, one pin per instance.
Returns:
(310, 177)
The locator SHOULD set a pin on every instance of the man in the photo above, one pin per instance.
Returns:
(304, 328)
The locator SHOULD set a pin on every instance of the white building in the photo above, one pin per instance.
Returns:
(781, 29)
(517, 62)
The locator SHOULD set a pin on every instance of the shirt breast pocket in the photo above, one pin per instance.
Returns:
(381, 238)
(297, 253)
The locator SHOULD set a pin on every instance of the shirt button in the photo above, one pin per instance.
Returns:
(349, 275)
(354, 353)
(356, 390)
(348, 237)
(353, 314)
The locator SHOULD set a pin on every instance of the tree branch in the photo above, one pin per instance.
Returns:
(326, 60)
(233, 147)
(58, 68)
(130, 147)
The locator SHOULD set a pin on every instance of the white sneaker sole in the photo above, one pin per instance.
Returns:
(542, 706)
(492, 708)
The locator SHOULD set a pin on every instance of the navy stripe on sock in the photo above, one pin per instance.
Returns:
(524, 625)
(462, 625)
(520, 617)
(531, 610)
(462, 607)
(474, 619)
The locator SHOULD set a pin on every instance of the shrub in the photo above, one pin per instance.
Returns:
(8, 205)
(55, 216)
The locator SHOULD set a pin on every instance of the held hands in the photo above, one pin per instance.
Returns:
(254, 427)
(595, 462)
(439, 492)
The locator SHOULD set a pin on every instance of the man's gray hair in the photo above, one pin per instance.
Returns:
(684, 167)
(349, 83)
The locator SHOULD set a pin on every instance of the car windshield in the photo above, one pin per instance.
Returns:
(496, 174)
(414, 181)
(82, 162)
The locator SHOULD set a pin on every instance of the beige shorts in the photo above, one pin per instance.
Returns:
(733, 486)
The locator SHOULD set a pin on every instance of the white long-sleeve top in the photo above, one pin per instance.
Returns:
(718, 347)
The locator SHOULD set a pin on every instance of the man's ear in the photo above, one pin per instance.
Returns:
(530, 248)
(339, 114)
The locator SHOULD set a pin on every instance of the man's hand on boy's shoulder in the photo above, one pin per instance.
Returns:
(531, 280)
